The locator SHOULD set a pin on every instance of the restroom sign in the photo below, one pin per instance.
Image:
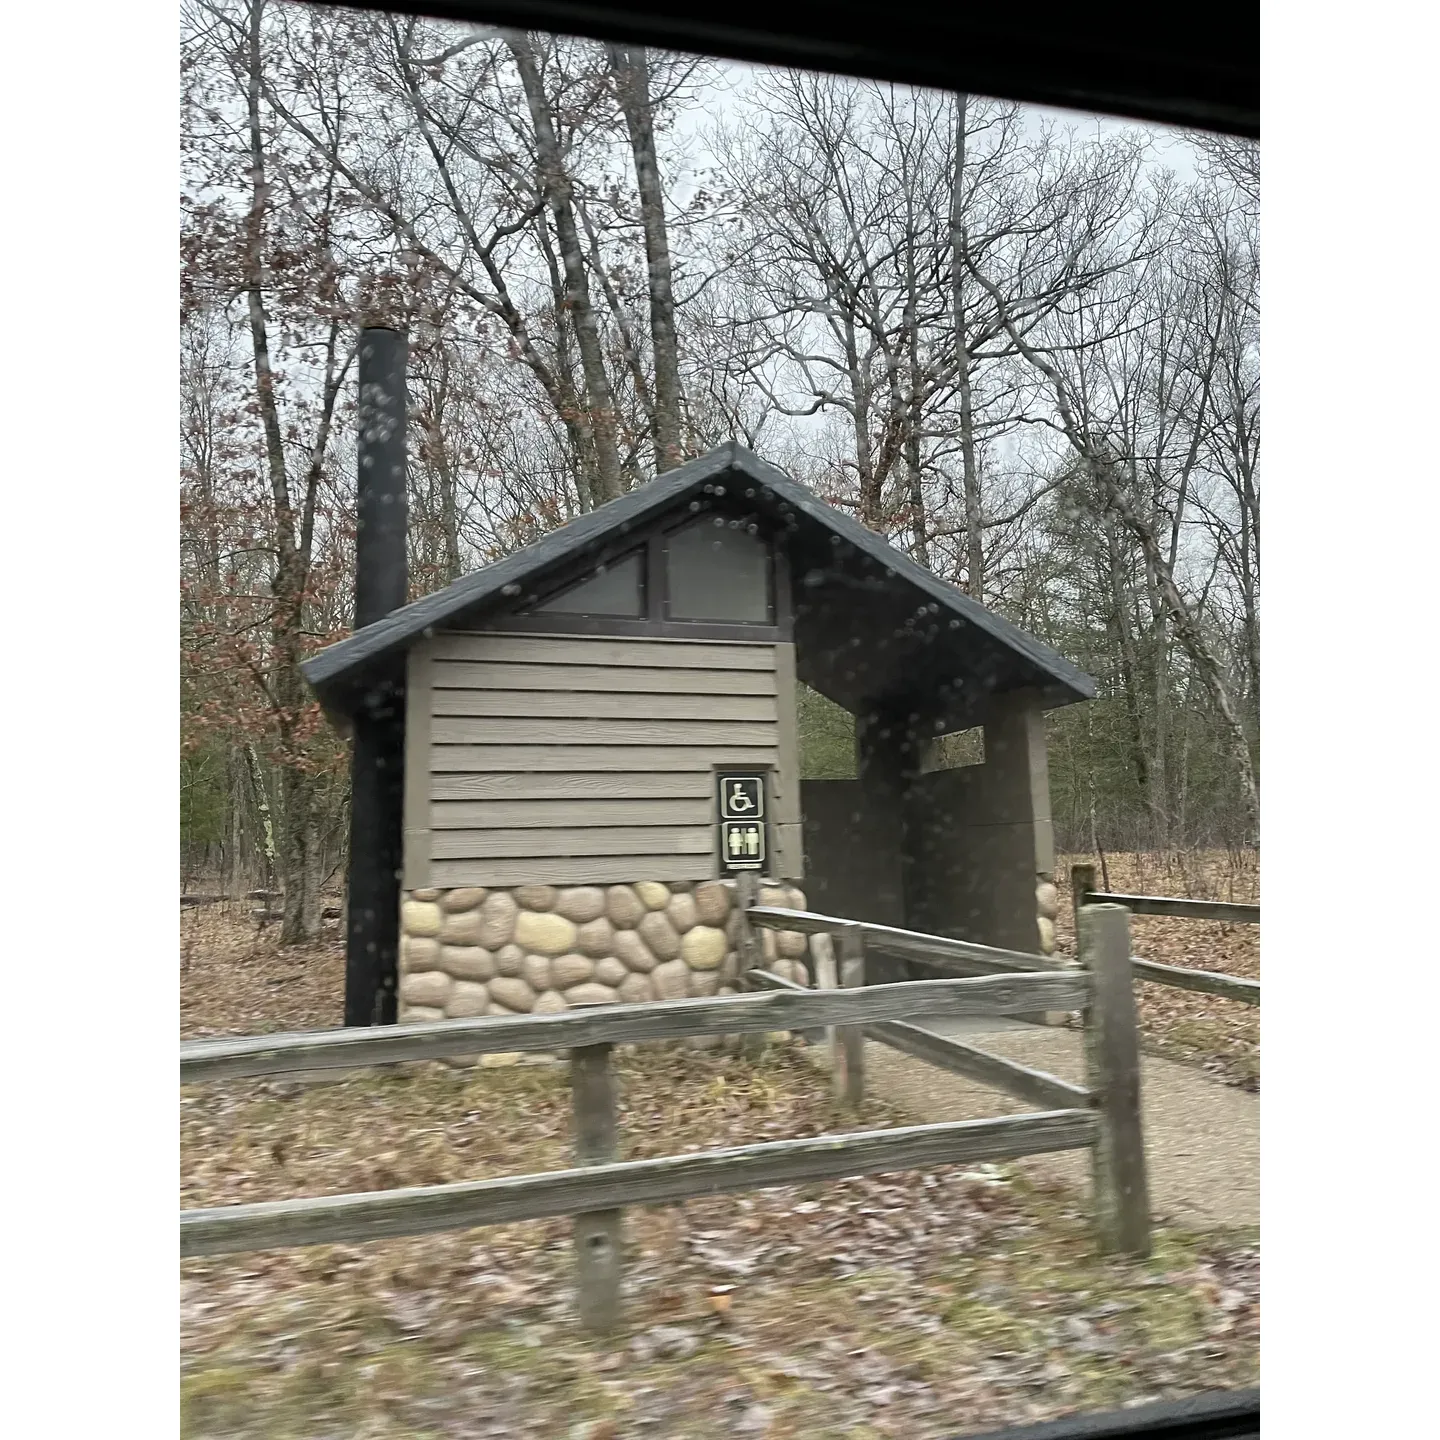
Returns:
(742, 822)
(742, 797)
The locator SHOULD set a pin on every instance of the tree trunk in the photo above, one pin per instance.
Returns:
(970, 475)
(559, 193)
(631, 68)
(289, 578)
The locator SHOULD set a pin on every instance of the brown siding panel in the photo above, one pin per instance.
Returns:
(572, 785)
(668, 654)
(558, 814)
(597, 705)
(544, 771)
(534, 675)
(546, 730)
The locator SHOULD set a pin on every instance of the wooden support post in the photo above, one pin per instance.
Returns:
(827, 977)
(848, 1057)
(1112, 1059)
(751, 952)
(597, 1233)
(1082, 881)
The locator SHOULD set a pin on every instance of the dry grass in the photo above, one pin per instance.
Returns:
(1220, 1036)
(921, 1304)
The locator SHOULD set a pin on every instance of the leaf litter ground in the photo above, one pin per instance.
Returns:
(918, 1304)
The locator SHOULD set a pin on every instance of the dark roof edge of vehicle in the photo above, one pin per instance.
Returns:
(1170, 70)
(494, 582)
(1213, 1415)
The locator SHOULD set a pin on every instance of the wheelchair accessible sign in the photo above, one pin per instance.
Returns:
(742, 822)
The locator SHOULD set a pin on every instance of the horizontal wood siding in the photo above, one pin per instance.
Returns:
(590, 760)
(571, 785)
(556, 814)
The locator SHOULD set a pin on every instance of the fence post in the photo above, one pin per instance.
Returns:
(848, 1056)
(597, 1233)
(1112, 1062)
(1082, 881)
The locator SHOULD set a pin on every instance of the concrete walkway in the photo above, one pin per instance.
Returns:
(1202, 1138)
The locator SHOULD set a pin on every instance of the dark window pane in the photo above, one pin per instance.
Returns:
(612, 590)
(719, 571)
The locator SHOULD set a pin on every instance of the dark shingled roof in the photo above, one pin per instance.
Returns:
(871, 626)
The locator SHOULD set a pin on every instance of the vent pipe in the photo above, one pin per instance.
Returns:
(377, 766)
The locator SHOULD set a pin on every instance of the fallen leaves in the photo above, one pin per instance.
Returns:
(915, 1304)
(1220, 1036)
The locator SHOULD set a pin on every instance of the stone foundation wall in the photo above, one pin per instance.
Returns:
(1047, 901)
(542, 949)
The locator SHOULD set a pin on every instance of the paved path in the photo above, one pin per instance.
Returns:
(1202, 1138)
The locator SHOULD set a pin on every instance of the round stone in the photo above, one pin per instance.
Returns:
(596, 938)
(420, 918)
(792, 944)
(629, 947)
(424, 894)
(591, 993)
(1047, 899)
(512, 993)
(777, 896)
(659, 934)
(415, 1014)
(610, 971)
(704, 982)
(470, 897)
(550, 1003)
(543, 933)
(535, 971)
(427, 987)
(509, 960)
(464, 928)
(653, 895)
(417, 954)
(467, 962)
(681, 912)
(497, 919)
(712, 902)
(584, 902)
(1047, 935)
(568, 970)
(767, 946)
(636, 989)
(465, 999)
(671, 980)
(703, 948)
(536, 897)
(623, 906)
(797, 897)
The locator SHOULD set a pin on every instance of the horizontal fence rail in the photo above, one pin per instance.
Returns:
(1034, 1087)
(938, 950)
(1177, 908)
(332, 1219)
(1204, 981)
(256, 1055)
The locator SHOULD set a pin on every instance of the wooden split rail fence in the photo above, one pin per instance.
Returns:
(1104, 1118)
(1206, 982)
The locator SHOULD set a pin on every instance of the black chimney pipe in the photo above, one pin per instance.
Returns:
(377, 767)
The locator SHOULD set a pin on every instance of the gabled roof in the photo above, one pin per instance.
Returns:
(909, 638)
